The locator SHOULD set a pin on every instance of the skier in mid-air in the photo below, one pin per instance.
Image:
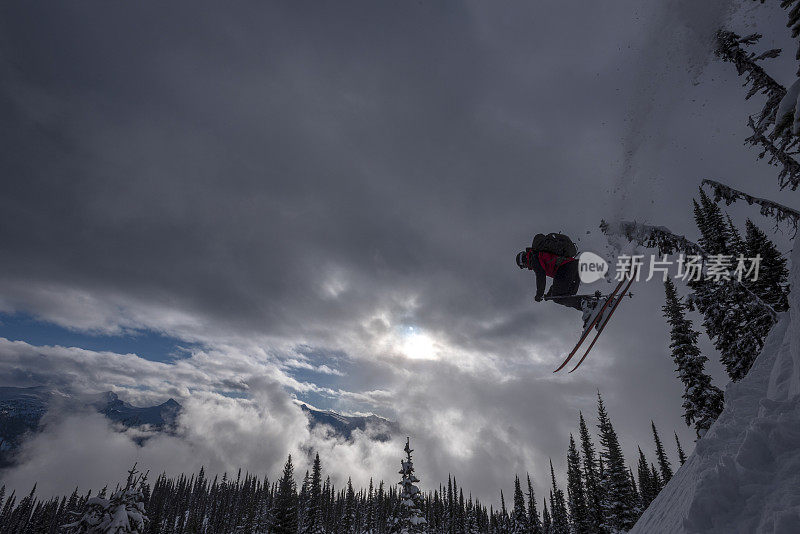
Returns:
(553, 255)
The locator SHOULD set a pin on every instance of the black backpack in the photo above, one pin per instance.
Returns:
(554, 243)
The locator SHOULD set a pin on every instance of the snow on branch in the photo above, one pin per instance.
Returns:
(666, 242)
(768, 208)
(658, 237)
(779, 110)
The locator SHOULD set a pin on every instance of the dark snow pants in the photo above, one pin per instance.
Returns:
(566, 283)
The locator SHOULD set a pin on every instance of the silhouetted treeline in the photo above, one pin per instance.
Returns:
(602, 495)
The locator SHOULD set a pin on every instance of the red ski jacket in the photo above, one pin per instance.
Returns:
(550, 262)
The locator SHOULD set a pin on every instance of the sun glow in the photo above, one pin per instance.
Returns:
(418, 346)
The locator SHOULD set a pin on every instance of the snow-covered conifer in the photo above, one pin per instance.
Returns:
(646, 489)
(781, 143)
(284, 506)
(702, 401)
(617, 491)
(313, 520)
(519, 516)
(681, 454)
(591, 476)
(411, 518)
(772, 284)
(576, 493)
(655, 479)
(558, 506)
(547, 523)
(122, 513)
(663, 462)
(534, 522)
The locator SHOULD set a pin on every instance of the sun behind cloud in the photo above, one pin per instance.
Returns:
(418, 345)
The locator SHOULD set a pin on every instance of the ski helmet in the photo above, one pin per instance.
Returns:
(522, 259)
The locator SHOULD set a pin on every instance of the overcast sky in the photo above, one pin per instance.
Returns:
(238, 205)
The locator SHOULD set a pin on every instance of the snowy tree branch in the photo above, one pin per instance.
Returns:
(768, 208)
(666, 242)
(782, 142)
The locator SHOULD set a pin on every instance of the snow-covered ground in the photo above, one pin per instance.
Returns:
(744, 475)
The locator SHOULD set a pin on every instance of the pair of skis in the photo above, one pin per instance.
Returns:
(600, 318)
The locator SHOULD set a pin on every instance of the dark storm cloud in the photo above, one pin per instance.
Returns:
(233, 169)
(322, 174)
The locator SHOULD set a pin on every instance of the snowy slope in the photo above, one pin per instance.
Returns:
(744, 475)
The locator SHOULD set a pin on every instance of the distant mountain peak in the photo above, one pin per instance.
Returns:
(375, 426)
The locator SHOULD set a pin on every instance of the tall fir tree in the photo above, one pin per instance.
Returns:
(646, 490)
(772, 284)
(681, 454)
(715, 232)
(734, 318)
(663, 462)
(534, 523)
(411, 519)
(558, 507)
(636, 498)
(547, 523)
(576, 494)
(655, 479)
(737, 246)
(619, 500)
(591, 476)
(702, 401)
(284, 513)
(519, 516)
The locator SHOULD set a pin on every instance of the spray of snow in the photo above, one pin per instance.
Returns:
(744, 474)
(678, 39)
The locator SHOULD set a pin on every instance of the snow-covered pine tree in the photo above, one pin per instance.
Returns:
(348, 521)
(681, 454)
(591, 476)
(461, 516)
(737, 245)
(122, 513)
(702, 401)
(736, 324)
(576, 494)
(534, 523)
(646, 490)
(558, 507)
(313, 520)
(303, 503)
(655, 479)
(715, 232)
(411, 518)
(519, 516)
(773, 276)
(284, 507)
(547, 523)
(618, 495)
(369, 519)
(470, 521)
(661, 456)
(779, 144)
(724, 304)
(502, 516)
(636, 499)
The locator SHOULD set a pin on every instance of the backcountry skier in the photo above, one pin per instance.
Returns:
(553, 255)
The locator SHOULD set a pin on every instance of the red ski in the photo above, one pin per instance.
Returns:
(605, 321)
(591, 325)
